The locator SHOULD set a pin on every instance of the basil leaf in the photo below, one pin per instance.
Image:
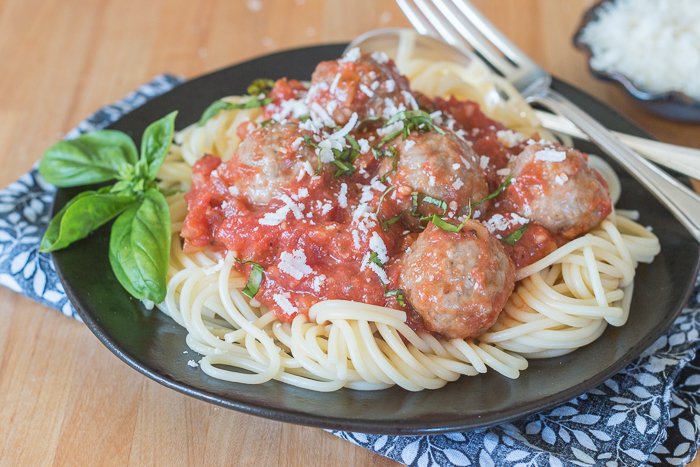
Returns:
(398, 294)
(214, 109)
(83, 214)
(415, 202)
(392, 220)
(260, 86)
(121, 255)
(252, 285)
(515, 236)
(90, 158)
(155, 143)
(139, 247)
(444, 225)
(498, 191)
(374, 258)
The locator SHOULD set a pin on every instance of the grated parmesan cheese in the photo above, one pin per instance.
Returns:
(550, 155)
(296, 143)
(364, 145)
(317, 282)
(334, 84)
(294, 207)
(380, 57)
(408, 97)
(655, 43)
(294, 264)
(510, 138)
(342, 196)
(561, 178)
(275, 218)
(396, 126)
(377, 245)
(366, 90)
(352, 56)
(285, 304)
(499, 222)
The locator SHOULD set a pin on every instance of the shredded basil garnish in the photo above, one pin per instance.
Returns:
(390, 153)
(515, 236)
(392, 220)
(260, 86)
(309, 141)
(214, 109)
(398, 294)
(369, 119)
(344, 168)
(416, 200)
(412, 120)
(267, 123)
(439, 222)
(374, 258)
(498, 191)
(381, 198)
(255, 278)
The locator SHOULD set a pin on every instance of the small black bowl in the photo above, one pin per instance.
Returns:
(672, 105)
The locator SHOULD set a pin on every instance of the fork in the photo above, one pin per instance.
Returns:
(461, 25)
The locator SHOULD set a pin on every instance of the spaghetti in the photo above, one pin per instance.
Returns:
(561, 302)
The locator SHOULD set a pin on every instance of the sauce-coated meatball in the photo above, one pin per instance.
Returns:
(268, 160)
(457, 282)
(556, 187)
(366, 86)
(440, 166)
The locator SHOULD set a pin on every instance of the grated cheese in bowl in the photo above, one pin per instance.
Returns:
(654, 43)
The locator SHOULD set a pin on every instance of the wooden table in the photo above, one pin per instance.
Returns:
(64, 398)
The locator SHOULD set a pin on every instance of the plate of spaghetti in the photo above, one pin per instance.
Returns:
(377, 244)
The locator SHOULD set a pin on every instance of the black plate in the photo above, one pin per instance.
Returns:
(153, 344)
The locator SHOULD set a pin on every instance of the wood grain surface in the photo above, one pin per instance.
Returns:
(64, 398)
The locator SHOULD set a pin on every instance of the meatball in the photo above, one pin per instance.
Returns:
(457, 282)
(555, 186)
(366, 84)
(440, 166)
(268, 160)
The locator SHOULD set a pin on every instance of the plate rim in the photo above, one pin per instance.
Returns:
(365, 425)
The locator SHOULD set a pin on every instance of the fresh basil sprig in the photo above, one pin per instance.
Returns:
(91, 158)
(139, 246)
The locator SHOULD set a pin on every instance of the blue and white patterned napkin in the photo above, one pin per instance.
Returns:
(648, 414)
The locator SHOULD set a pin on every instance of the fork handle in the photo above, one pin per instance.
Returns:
(680, 200)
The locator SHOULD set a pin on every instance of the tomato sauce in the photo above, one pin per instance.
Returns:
(319, 235)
